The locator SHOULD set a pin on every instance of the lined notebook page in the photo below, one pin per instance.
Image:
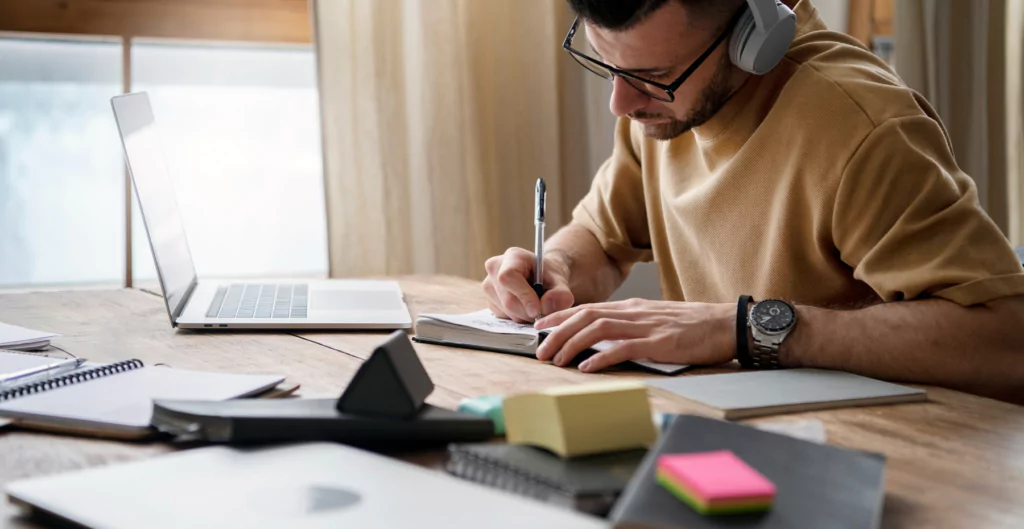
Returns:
(124, 401)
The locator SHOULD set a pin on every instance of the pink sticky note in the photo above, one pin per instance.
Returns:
(716, 475)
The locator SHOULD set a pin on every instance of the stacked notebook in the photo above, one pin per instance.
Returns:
(588, 484)
(112, 400)
(757, 393)
(17, 338)
(482, 330)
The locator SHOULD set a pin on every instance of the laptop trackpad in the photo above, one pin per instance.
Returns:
(352, 300)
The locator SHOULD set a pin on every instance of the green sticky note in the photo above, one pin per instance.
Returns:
(488, 406)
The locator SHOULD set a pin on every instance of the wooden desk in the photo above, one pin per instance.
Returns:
(957, 461)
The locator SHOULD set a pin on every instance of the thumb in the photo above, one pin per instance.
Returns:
(557, 296)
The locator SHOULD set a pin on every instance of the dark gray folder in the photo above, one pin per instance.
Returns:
(817, 486)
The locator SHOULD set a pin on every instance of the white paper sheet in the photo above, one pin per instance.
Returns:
(15, 337)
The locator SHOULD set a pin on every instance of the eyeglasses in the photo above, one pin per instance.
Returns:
(653, 89)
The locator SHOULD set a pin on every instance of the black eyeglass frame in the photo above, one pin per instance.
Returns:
(670, 88)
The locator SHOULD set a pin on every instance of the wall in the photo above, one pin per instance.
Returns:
(600, 124)
(835, 13)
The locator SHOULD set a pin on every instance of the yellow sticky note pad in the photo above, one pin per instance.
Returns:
(582, 419)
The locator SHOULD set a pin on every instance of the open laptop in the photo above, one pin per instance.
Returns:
(305, 486)
(250, 304)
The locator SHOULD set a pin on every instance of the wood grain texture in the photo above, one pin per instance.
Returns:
(111, 325)
(955, 461)
(286, 21)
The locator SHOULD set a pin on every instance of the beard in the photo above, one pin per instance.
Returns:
(710, 100)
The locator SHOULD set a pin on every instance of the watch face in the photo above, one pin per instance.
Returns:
(772, 315)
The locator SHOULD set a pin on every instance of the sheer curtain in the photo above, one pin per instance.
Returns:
(438, 116)
(964, 56)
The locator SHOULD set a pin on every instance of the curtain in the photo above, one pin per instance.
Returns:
(438, 117)
(1015, 112)
(958, 55)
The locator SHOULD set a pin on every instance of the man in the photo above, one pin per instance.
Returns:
(825, 182)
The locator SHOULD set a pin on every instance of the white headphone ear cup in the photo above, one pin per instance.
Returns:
(745, 26)
(756, 51)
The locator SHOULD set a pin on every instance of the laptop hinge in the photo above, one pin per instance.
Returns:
(184, 301)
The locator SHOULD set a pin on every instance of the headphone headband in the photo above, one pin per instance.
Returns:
(766, 15)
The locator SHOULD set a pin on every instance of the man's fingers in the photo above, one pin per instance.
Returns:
(556, 319)
(493, 303)
(513, 278)
(617, 354)
(503, 304)
(581, 318)
(556, 300)
(493, 264)
(598, 331)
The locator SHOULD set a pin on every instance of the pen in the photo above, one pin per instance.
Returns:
(49, 370)
(538, 236)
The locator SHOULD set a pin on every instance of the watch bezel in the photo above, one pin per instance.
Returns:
(762, 330)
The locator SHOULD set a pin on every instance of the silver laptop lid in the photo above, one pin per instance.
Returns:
(157, 202)
(305, 486)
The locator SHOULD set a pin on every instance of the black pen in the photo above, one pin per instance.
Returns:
(538, 237)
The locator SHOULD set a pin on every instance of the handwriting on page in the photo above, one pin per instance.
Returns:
(484, 320)
(495, 324)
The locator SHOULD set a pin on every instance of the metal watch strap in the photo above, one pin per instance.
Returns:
(765, 356)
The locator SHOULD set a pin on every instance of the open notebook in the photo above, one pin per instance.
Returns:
(482, 330)
(112, 400)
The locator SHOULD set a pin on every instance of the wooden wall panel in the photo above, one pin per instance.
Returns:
(227, 20)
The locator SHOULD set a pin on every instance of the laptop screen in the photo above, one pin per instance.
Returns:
(157, 201)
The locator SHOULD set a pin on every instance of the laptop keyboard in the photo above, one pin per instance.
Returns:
(260, 301)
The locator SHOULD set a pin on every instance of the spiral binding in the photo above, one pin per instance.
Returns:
(70, 379)
(485, 471)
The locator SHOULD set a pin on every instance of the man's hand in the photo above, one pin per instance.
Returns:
(508, 289)
(661, 331)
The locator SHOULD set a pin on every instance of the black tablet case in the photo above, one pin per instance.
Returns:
(382, 407)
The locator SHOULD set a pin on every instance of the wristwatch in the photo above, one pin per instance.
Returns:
(771, 321)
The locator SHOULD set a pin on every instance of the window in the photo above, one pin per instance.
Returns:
(240, 129)
(239, 123)
(61, 169)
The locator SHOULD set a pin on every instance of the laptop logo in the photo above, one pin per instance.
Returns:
(323, 498)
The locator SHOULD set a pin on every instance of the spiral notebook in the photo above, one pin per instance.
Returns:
(113, 400)
(588, 484)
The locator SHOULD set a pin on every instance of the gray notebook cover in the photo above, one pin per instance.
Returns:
(750, 394)
(817, 486)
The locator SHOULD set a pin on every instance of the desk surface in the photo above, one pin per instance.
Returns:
(956, 461)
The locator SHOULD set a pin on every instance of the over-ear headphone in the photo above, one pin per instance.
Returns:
(762, 36)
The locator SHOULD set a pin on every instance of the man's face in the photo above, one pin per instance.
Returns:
(661, 48)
